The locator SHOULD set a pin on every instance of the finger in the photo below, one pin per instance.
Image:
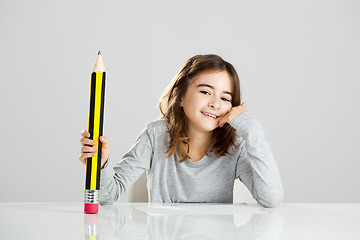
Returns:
(86, 149)
(88, 142)
(85, 133)
(84, 156)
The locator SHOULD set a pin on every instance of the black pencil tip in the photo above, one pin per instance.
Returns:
(99, 53)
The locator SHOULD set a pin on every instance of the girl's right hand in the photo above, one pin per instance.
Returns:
(88, 149)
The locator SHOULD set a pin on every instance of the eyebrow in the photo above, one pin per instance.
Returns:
(209, 86)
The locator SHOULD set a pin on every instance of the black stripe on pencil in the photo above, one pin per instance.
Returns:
(91, 126)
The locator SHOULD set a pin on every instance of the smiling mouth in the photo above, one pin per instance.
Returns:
(210, 115)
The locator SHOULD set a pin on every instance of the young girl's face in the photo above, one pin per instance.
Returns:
(207, 99)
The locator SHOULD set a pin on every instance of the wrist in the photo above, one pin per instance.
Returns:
(106, 163)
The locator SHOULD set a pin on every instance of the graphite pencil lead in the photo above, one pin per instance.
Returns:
(99, 53)
(99, 64)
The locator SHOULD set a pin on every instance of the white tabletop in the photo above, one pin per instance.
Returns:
(197, 221)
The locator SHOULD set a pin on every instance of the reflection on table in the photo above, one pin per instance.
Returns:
(119, 221)
(129, 221)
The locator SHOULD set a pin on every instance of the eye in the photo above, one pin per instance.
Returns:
(205, 92)
(225, 99)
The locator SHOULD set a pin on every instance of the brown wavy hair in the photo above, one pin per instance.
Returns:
(172, 111)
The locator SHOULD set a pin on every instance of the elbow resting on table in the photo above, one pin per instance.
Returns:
(105, 198)
(106, 202)
(272, 200)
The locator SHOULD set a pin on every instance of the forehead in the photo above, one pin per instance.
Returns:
(220, 80)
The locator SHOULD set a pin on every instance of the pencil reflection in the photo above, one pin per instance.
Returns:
(124, 222)
(90, 226)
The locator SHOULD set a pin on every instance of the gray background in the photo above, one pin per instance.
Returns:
(298, 63)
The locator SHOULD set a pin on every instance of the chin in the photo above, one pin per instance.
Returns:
(210, 128)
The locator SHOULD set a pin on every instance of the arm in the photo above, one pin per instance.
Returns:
(116, 181)
(256, 166)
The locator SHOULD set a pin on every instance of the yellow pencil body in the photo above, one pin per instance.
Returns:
(95, 128)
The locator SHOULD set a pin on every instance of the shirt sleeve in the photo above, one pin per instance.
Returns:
(256, 166)
(114, 182)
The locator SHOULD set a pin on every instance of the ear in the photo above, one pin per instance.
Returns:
(181, 99)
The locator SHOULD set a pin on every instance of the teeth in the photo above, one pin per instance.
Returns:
(207, 114)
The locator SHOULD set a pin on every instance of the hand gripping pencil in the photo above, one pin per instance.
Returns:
(96, 119)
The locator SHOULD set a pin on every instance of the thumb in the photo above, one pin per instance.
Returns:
(221, 123)
(104, 140)
(244, 106)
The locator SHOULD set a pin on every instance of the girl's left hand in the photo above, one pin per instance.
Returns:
(234, 112)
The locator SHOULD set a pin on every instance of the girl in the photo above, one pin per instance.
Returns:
(204, 140)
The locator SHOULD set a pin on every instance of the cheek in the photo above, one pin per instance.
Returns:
(196, 101)
(191, 105)
(228, 107)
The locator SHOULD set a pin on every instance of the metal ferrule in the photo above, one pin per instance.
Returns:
(91, 230)
(91, 196)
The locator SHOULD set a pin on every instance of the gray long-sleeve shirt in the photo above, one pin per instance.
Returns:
(209, 180)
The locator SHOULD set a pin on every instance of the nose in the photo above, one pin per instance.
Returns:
(214, 103)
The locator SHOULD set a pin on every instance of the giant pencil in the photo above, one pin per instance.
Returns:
(96, 119)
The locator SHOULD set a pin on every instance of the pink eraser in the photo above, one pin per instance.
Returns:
(91, 219)
(91, 207)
